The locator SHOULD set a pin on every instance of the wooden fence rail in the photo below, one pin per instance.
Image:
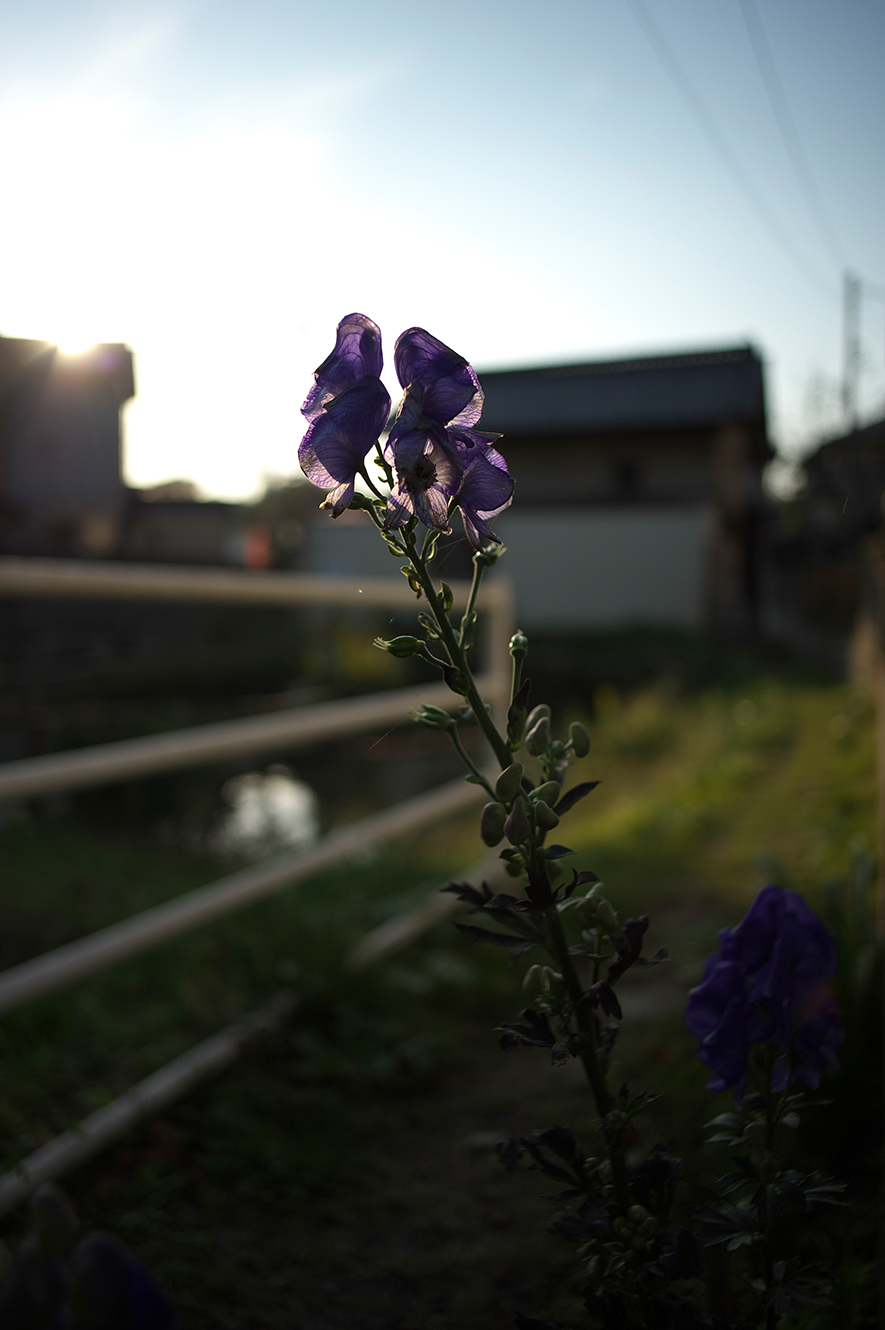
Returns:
(274, 731)
(56, 969)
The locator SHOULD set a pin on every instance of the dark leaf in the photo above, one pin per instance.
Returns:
(562, 1142)
(645, 961)
(522, 950)
(504, 903)
(454, 678)
(544, 1164)
(465, 892)
(532, 1030)
(538, 889)
(629, 947)
(557, 852)
(574, 796)
(586, 875)
(604, 995)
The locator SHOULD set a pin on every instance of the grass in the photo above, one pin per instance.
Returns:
(341, 1175)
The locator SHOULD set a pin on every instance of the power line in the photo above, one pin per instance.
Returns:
(789, 133)
(722, 147)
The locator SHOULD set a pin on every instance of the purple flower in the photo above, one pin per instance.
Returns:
(768, 984)
(436, 453)
(357, 353)
(347, 407)
(427, 477)
(486, 489)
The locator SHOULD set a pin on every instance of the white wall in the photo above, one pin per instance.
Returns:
(578, 568)
(572, 568)
(348, 545)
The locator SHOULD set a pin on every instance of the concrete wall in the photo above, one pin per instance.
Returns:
(347, 546)
(586, 568)
(572, 568)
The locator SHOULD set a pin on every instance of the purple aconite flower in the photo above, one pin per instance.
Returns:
(768, 985)
(427, 477)
(347, 407)
(486, 489)
(357, 353)
(436, 453)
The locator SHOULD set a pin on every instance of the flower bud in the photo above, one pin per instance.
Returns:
(517, 828)
(409, 573)
(637, 1214)
(491, 826)
(429, 625)
(549, 792)
(434, 718)
(507, 786)
(446, 596)
(536, 713)
(545, 818)
(538, 737)
(579, 739)
(488, 555)
(401, 647)
(519, 644)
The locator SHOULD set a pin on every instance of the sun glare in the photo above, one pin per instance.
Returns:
(73, 343)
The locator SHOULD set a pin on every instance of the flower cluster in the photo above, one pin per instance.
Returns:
(768, 985)
(434, 457)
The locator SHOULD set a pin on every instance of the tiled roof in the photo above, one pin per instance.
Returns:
(656, 392)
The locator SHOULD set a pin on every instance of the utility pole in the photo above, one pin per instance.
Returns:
(851, 293)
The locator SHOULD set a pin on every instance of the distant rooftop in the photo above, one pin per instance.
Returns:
(693, 391)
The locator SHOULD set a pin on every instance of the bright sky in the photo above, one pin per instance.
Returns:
(217, 182)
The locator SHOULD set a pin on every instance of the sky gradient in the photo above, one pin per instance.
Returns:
(216, 184)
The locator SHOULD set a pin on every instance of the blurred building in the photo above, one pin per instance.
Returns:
(639, 489)
(61, 489)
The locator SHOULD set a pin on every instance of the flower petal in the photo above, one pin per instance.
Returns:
(485, 488)
(357, 353)
(337, 441)
(452, 394)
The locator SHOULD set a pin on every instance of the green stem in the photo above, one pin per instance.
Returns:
(589, 1053)
(518, 660)
(499, 745)
(382, 462)
(468, 762)
(471, 602)
(371, 484)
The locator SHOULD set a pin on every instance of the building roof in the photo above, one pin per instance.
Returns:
(694, 391)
